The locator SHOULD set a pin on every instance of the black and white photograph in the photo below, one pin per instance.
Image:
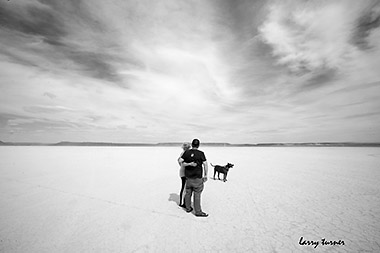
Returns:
(189, 126)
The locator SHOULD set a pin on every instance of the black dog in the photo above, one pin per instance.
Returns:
(222, 169)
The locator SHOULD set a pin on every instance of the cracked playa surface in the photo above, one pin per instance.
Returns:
(96, 199)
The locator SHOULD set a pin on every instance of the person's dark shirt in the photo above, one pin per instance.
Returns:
(197, 156)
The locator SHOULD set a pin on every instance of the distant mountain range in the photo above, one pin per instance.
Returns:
(213, 144)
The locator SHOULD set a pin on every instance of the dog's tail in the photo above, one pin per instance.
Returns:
(212, 165)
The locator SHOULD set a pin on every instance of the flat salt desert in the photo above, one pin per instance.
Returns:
(124, 199)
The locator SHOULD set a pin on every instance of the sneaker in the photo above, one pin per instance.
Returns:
(183, 206)
(201, 214)
(189, 210)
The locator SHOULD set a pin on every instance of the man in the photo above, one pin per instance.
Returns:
(195, 164)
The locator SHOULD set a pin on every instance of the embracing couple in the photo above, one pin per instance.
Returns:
(193, 165)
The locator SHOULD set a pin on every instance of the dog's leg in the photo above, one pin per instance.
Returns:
(214, 173)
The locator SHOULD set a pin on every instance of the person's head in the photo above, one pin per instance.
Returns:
(186, 146)
(195, 143)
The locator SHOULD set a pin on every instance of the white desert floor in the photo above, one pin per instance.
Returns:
(124, 199)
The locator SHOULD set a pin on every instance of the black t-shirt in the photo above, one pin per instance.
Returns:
(197, 156)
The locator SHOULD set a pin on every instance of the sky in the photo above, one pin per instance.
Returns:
(237, 71)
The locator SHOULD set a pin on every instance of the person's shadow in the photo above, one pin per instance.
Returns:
(174, 197)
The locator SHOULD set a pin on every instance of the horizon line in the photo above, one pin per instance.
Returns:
(225, 144)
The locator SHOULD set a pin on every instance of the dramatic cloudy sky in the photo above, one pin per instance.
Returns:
(238, 71)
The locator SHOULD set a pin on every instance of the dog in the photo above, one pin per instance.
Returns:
(222, 169)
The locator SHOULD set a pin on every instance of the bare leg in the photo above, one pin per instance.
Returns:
(181, 200)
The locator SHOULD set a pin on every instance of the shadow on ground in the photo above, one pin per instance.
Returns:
(174, 197)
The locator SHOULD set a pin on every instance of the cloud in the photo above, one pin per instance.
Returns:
(46, 109)
(49, 95)
(311, 36)
(154, 71)
(367, 23)
(32, 19)
(54, 36)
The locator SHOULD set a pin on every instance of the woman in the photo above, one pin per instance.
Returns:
(185, 146)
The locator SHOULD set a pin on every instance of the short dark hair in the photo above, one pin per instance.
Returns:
(195, 143)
